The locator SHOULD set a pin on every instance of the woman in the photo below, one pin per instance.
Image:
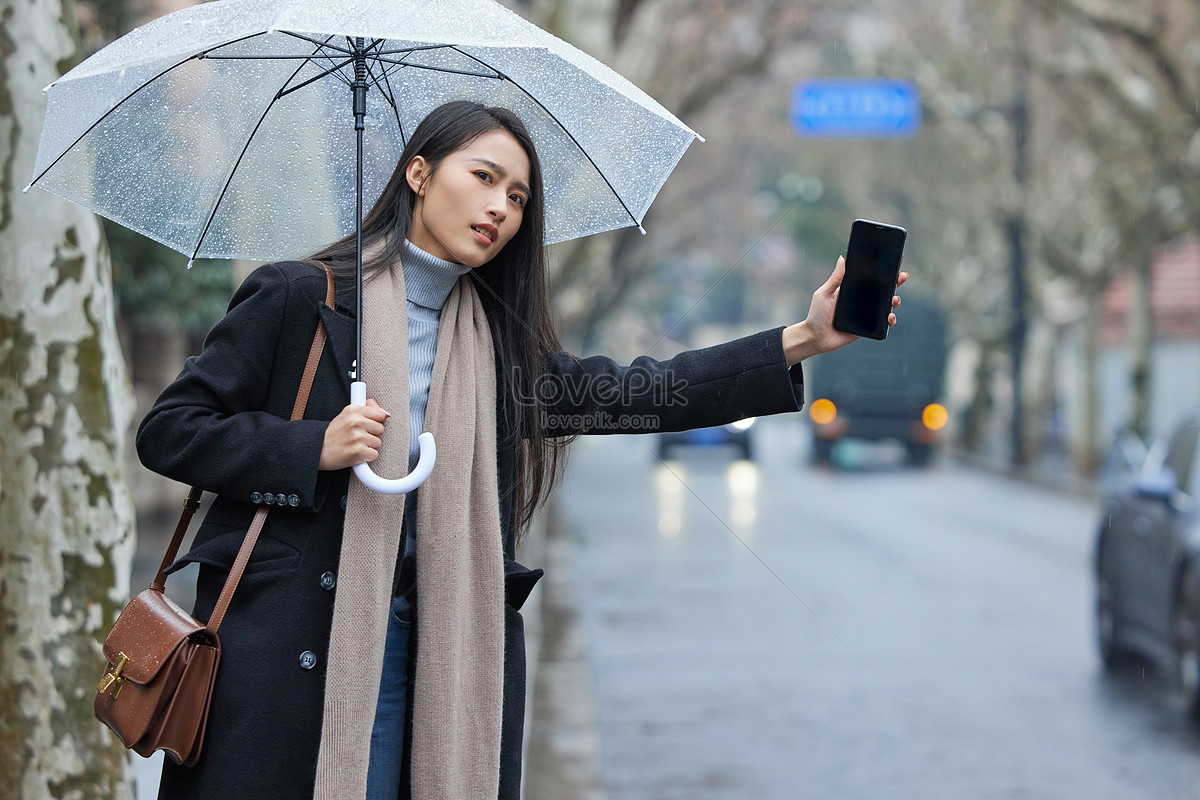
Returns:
(323, 686)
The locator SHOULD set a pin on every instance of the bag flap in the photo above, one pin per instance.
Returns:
(147, 632)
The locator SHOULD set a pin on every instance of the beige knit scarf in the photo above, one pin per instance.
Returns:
(459, 677)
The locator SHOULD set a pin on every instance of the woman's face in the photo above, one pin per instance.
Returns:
(473, 204)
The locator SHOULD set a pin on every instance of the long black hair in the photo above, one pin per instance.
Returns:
(512, 286)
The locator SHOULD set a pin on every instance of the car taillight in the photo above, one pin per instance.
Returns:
(935, 416)
(822, 411)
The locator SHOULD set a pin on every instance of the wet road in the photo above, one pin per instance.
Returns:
(770, 631)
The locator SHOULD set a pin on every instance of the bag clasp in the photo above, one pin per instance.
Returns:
(113, 677)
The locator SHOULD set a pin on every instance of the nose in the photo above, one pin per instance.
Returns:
(497, 207)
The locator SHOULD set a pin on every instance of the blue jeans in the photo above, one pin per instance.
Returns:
(387, 737)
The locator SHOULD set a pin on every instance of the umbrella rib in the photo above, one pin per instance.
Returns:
(564, 129)
(389, 94)
(299, 86)
(322, 44)
(499, 76)
(213, 214)
(123, 100)
(204, 57)
(388, 71)
(395, 66)
(380, 82)
(320, 56)
(413, 49)
(408, 51)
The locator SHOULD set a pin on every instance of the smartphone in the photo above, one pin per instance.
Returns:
(872, 269)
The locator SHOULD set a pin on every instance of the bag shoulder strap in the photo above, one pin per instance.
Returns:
(192, 503)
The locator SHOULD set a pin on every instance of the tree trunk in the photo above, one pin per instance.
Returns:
(1087, 451)
(975, 430)
(1141, 335)
(1039, 393)
(66, 522)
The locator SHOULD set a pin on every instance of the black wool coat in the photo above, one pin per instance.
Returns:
(224, 425)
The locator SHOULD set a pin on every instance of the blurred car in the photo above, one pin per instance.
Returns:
(735, 435)
(1147, 561)
(888, 390)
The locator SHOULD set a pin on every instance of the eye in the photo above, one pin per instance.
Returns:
(483, 176)
(518, 199)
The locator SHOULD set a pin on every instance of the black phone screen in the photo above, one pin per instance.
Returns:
(872, 268)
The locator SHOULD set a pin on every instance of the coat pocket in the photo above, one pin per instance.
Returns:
(219, 546)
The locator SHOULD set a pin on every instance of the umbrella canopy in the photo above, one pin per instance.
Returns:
(226, 130)
(258, 128)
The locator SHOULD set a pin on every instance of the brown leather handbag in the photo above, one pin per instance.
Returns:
(162, 663)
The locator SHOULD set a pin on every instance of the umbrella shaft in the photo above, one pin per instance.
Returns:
(360, 84)
(360, 113)
(360, 106)
(358, 260)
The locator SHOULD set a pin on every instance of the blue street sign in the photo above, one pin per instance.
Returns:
(879, 108)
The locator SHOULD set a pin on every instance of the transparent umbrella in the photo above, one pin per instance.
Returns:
(258, 128)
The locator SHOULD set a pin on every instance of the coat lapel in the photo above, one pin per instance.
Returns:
(341, 331)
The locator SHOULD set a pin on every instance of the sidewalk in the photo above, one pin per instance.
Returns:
(1050, 472)
(561, 738)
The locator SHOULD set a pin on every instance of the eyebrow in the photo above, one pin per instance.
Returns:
(503, 173)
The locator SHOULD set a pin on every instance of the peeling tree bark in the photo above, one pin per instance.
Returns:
(66, 521)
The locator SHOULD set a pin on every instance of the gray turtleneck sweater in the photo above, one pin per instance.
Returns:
(427, 282)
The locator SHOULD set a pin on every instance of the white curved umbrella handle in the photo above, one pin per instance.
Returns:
(358, 397)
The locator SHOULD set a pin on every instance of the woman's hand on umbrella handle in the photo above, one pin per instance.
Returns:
(358, 397)
(353, 437)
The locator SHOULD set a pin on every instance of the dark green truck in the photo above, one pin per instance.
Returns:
(883, 390)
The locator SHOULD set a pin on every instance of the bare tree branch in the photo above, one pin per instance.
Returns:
(1127, 23)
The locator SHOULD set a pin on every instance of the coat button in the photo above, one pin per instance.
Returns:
(308, 659)
(293, 500)
(269, 499)
(256, 498)
(343, 502)
(328, 581)
(281, 500)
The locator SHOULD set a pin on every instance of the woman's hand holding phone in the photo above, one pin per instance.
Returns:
(816, 333)
(872, 273)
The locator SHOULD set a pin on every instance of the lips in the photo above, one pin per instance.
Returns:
(487, 231)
